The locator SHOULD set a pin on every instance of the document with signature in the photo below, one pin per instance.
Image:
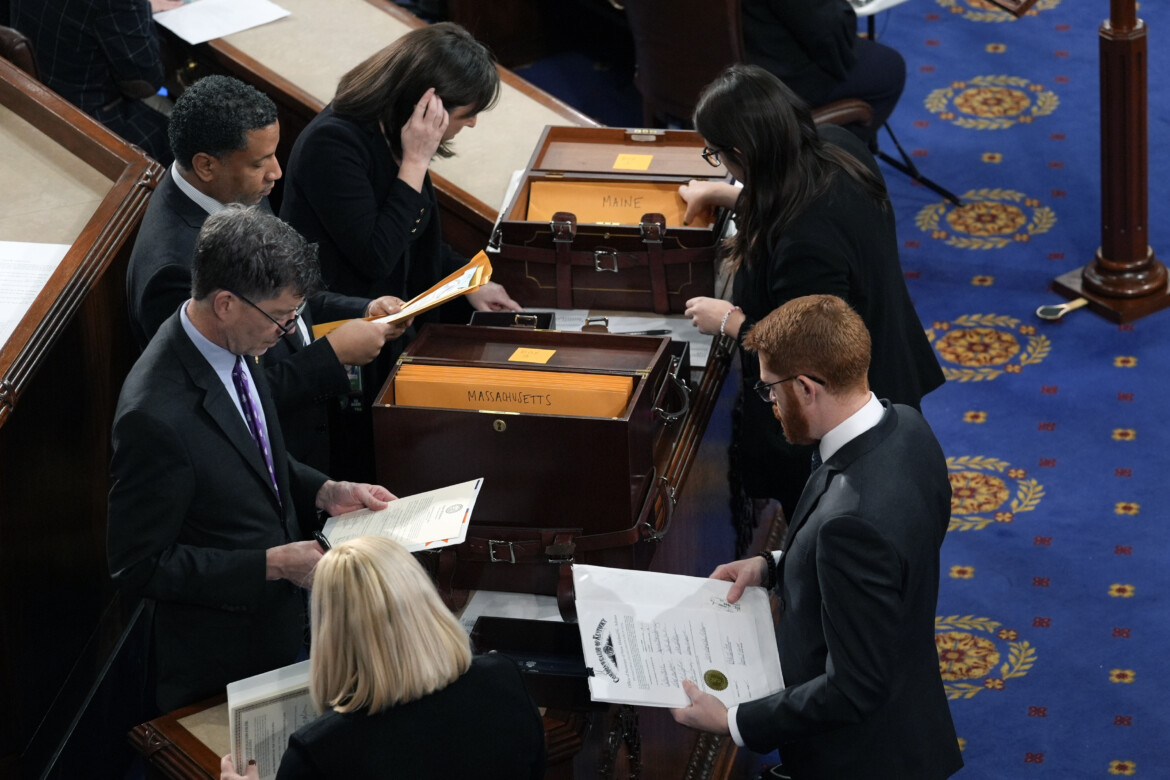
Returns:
(264, 711)
(643, 633)
(424, 521)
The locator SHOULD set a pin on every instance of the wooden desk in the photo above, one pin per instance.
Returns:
(298, 60)
(66, 179)
(579, 745)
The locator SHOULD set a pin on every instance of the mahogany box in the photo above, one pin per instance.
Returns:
(596, 222)
(556, 488)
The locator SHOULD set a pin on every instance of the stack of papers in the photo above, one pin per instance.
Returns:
(469, 278)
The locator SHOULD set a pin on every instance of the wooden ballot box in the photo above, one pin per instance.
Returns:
(561, 486)
(597, 222)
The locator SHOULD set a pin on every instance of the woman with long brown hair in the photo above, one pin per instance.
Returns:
(813, 217)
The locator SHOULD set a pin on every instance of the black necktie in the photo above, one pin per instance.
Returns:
(816, 458)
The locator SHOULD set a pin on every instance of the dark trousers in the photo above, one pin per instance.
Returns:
(878, 78)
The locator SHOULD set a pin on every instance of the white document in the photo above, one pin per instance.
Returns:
(643, 633)
(25, 268)
(264, 711)
(203, 20)
(424, 521)
(676, 326)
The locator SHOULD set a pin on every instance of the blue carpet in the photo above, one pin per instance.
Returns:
(1050, 622)
(1049, 617)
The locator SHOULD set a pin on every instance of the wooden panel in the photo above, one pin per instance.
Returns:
(60, 373)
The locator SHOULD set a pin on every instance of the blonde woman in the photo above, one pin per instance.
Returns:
(402, 695)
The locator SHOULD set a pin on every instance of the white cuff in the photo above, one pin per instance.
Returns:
(732, 726)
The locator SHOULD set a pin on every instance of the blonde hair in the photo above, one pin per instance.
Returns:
(381, 634)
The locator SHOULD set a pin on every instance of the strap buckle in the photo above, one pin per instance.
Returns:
(508, 547)
(599, 254)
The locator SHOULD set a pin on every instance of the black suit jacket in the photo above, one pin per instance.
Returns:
(158, 281)
(376, 235)
(858, 586)
(843, 244)
(192, 510)
(483, 725)
(807, 44)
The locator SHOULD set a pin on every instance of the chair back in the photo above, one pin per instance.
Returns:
(16, 48)
(680, 46)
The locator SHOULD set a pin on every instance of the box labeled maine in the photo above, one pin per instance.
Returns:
(597, 222)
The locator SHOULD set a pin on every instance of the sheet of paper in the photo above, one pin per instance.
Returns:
(643, 633)
(492, 603)
(203, 20)
(680, 327)
(264, 711)
(424, 521)
(25, 268)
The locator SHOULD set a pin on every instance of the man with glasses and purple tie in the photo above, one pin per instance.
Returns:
(203, 518)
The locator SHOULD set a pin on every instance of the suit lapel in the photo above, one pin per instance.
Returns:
(219, 404)
(820, 479)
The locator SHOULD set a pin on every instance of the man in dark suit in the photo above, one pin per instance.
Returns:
(202, 516)
(858, 575)
(224, 134)
(102, 56)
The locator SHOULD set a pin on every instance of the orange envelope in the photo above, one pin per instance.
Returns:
(621, 203)
(512, 390)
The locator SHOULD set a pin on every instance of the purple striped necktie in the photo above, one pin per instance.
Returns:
(248, 403)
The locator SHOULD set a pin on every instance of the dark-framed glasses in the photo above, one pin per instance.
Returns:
(286, 327)
(711, 156)
(764, 389)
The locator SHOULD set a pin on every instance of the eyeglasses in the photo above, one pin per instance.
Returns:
(764, 389)
(711, 156)
(287, 327)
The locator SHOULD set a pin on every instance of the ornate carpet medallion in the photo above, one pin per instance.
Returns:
(977, 347)
(988, 490)
(983, 11)
(988, 219)
(977, 654)
(991, 102)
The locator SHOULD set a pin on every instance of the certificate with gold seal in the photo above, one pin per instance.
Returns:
(643, 633)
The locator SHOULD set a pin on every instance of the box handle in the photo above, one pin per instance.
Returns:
(684, 392)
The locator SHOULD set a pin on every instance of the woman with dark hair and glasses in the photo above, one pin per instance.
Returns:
(813, 217)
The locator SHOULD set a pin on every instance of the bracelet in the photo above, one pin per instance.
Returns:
(723, 322)
(771, 561)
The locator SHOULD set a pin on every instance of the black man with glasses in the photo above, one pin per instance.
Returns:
(210, 518)
(857, 578)
(813, 217)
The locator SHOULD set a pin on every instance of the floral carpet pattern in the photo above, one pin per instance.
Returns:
(1052, 617)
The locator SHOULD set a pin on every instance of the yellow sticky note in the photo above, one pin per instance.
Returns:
(633, 162)
(532, 355)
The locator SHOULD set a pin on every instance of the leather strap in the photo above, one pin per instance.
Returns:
(653, 233)
(564, 228)
(610, 259)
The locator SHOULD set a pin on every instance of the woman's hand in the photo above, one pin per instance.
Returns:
(707, 315)
(703, 196)
(227, 770)
(421, 136)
